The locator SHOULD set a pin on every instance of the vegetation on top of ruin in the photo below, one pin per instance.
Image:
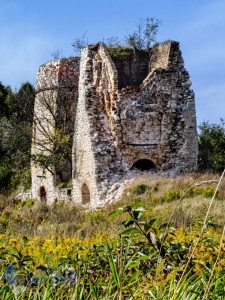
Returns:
(145, 34)
(120, 52)
(142, 38)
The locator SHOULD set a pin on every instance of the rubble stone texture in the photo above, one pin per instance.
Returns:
(55, 105)
(135, 114)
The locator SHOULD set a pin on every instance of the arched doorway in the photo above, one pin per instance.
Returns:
(42, 193)
(85, 194)
(144, 165)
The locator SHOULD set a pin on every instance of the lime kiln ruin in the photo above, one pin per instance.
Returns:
(129, 111)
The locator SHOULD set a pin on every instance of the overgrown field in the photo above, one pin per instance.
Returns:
(160, 241)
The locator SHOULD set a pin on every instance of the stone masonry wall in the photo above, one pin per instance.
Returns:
(85, 168)
(132, 67)
(55, 103)
(120, 120)
(130, 106)
(43, 126)
(157, 119)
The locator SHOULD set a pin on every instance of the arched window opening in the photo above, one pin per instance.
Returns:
(143, 165)
(85, 194)
(42, 193)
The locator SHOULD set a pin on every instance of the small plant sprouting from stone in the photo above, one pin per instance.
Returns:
(143, 37)
(145, 34)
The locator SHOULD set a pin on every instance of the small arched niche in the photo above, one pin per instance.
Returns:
(86, 198)
(144, 165)
(42, 193)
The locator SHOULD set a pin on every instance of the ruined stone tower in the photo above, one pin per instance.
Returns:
(135, 113)
(54, 116)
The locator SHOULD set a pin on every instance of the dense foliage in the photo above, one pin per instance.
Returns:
(15, 135)
(211, 140)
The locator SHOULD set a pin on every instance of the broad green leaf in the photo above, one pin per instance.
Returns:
(163, 226)
(139, 209)
(147, 227)
(131, 231)
(137, 214)
(151, 222)
(128, 223)
(155, 221)
(138, 203)
(143, 257)
(116, 212)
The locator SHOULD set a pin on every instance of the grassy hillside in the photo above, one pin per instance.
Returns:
(156, 245)
(158, 196)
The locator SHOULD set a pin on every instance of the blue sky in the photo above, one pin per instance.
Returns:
(30, 31)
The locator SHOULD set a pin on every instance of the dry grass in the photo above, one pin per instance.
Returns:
(158, 195)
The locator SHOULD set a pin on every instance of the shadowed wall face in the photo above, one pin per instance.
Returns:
(132, 66)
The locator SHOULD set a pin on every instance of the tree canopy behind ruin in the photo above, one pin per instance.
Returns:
(15, 134)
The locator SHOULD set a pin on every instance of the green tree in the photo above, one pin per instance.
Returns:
(144, 35)
(5, 170)
(211, 141)
(142, 38)
(17, 129)
(15, 134)
(5, 95)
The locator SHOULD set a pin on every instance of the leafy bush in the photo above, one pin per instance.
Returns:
(5, 176)
(140, 189)
(204, 191)
(21, 179)
(211, 140)
(64, 185)
(144, 35)
(171, 195)
(119, 52)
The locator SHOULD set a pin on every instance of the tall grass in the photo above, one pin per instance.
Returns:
(152, 258)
